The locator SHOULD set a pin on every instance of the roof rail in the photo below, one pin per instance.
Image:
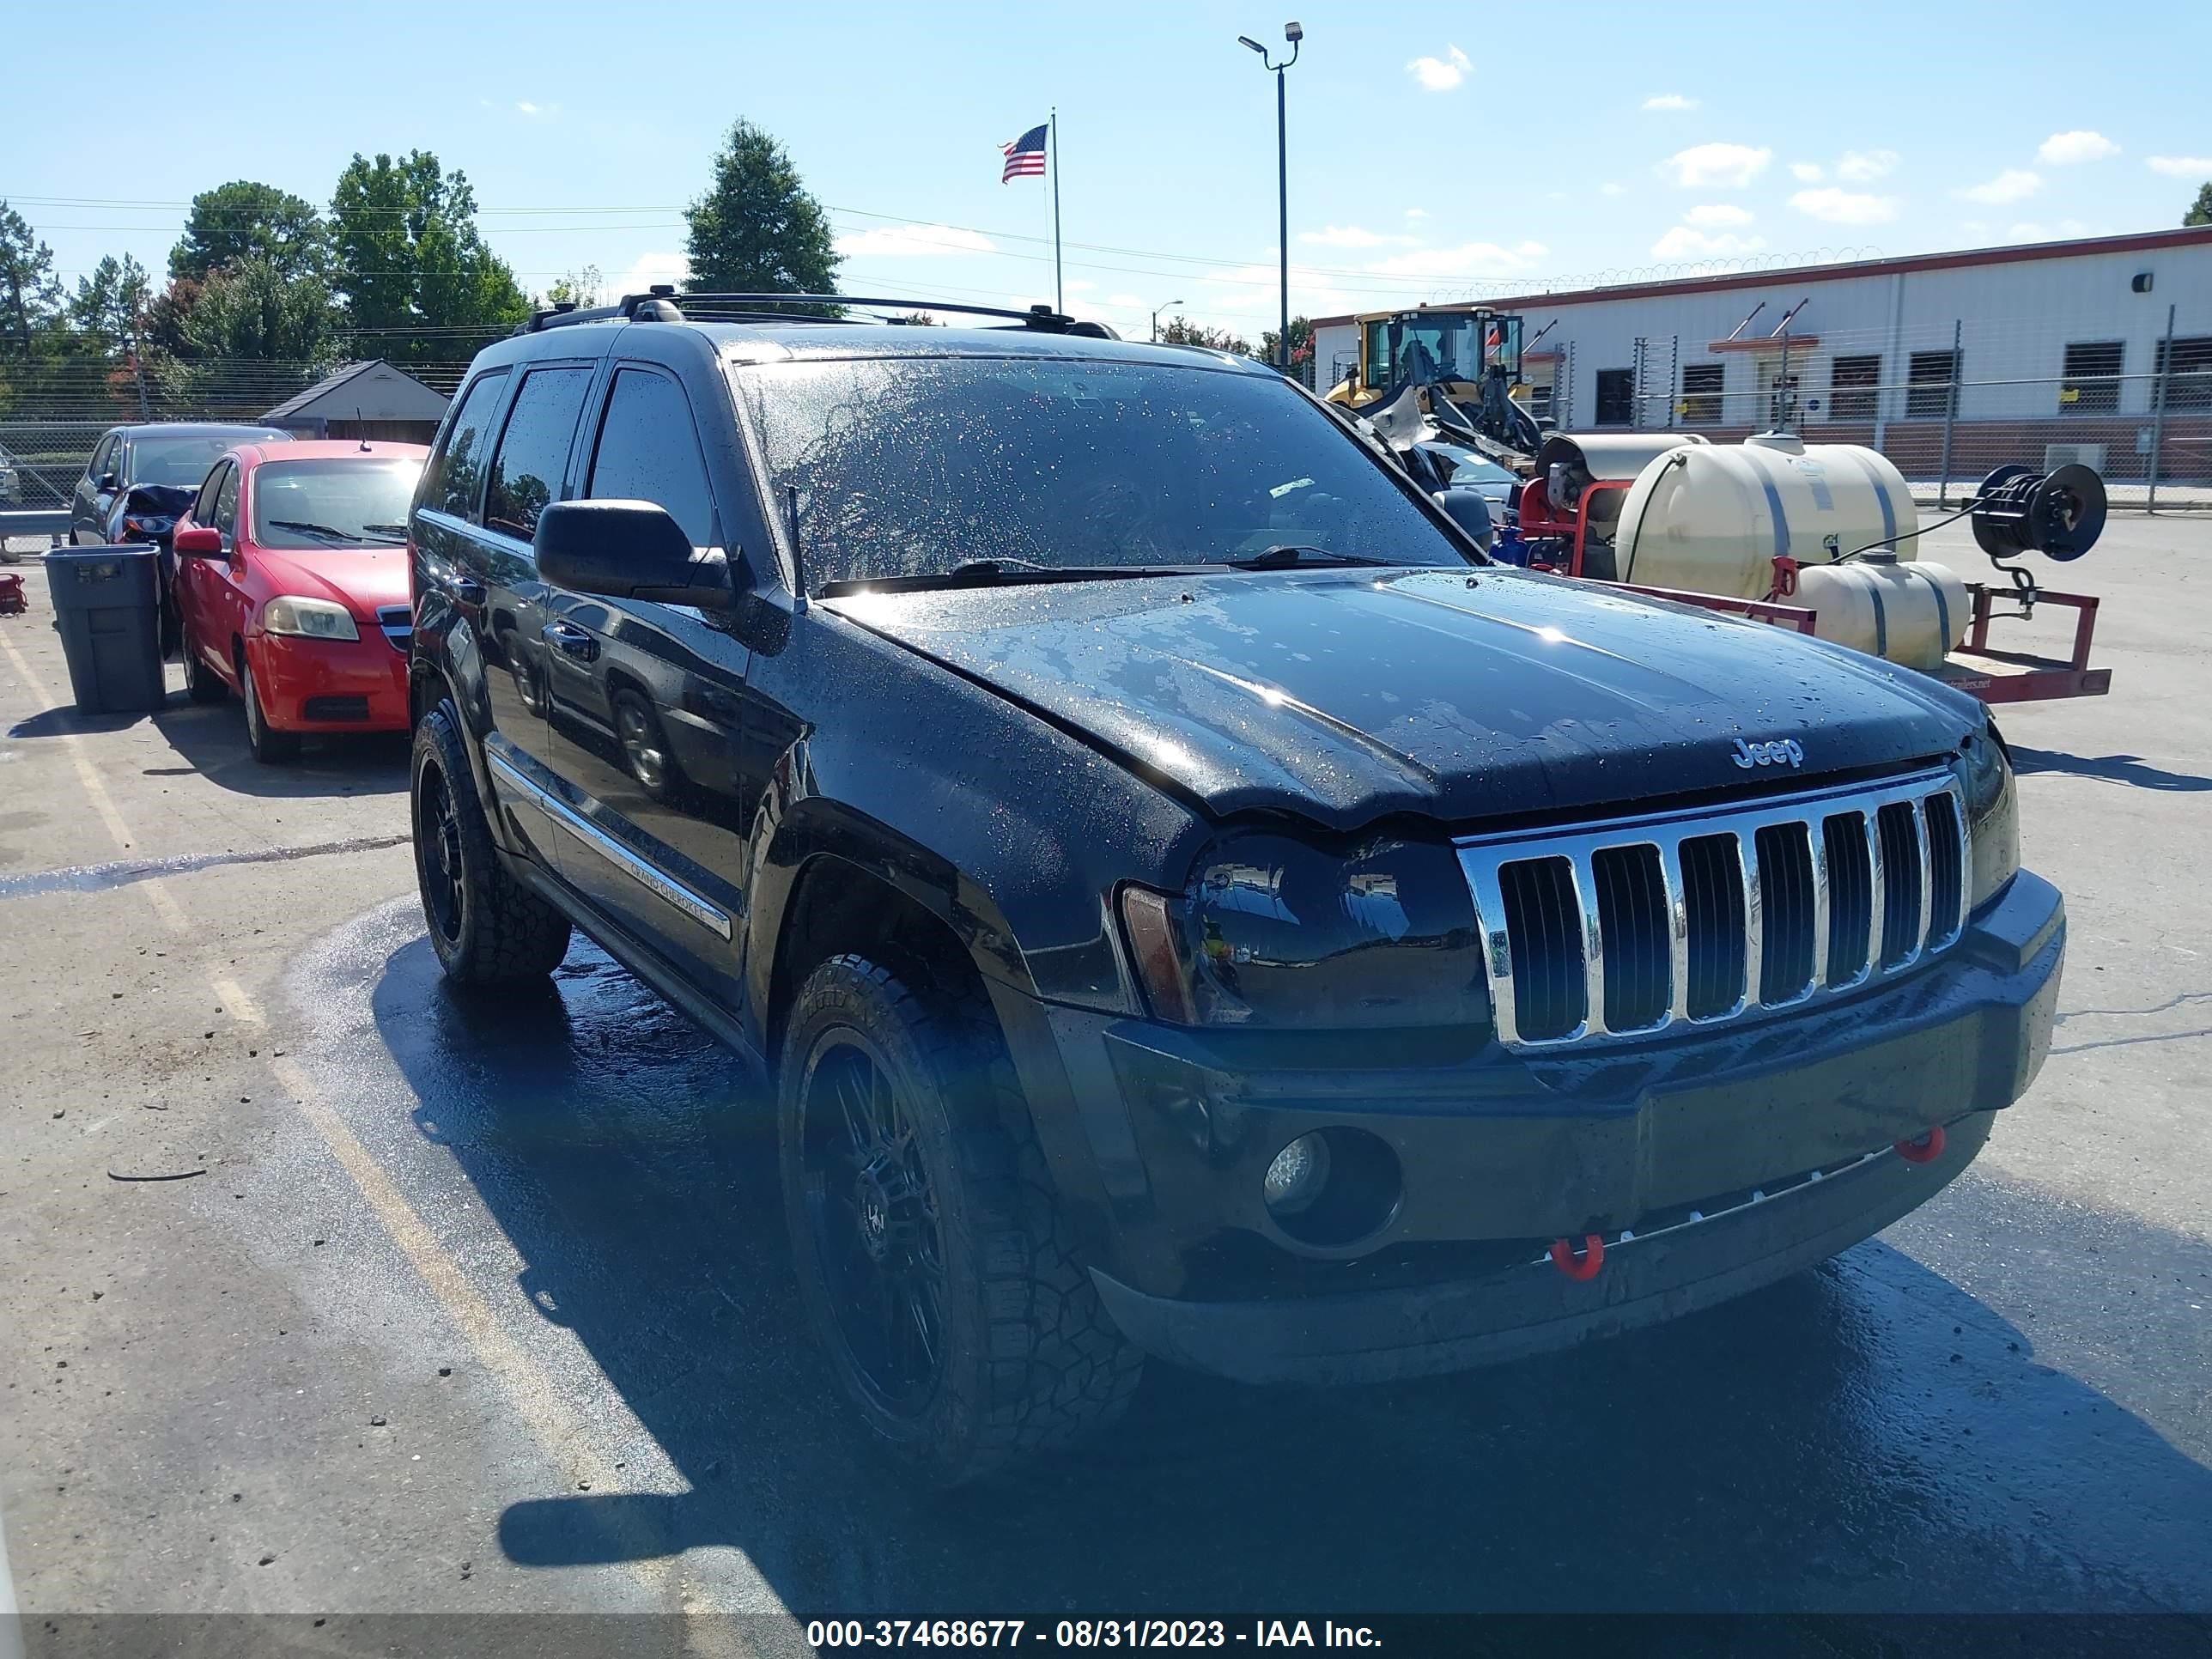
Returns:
(660, 304)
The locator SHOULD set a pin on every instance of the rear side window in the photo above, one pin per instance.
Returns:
(102, 458)
(649, 451)
(226, 504)
(533, 452)
(457, 469)
(204, 503)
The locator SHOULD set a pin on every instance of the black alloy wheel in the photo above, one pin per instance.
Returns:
(438, 852)
(873, 1214)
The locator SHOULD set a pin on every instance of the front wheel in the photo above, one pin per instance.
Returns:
(271, 747)
(485, 926)
(202, 684)
(932, 1258)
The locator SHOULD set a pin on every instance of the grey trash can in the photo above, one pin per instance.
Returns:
(107, 606)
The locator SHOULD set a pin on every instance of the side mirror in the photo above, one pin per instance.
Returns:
(108, 481)
(630, 551)
(1470, 511)
(198, 541)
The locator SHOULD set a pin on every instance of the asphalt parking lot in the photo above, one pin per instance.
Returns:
(483, 1305)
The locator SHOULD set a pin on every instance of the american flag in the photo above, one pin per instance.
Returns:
(1024, 156)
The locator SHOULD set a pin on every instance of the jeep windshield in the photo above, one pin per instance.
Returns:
(912, 469)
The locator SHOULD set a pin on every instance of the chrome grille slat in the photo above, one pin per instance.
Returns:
(1613, 932)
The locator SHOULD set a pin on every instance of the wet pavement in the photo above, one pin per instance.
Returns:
(1998, 1406)
(484, 1304)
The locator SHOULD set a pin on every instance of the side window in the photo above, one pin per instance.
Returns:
(534, 451)
(103, 456)
(649, 451)
(457, 469)
(225, 505)
(204, 503)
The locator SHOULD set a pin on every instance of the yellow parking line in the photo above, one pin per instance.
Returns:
(532, 1392)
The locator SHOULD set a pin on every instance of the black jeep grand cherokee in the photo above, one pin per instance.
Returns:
(1180, 897)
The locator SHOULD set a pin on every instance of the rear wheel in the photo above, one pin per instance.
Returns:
(486, 927)
(932, 1258)
(271, 747)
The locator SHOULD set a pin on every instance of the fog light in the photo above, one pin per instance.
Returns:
(1295, 1179)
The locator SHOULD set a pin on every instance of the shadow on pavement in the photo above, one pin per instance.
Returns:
(2112, 769)
(59, 722)
(1872, 1436)
(210, 737)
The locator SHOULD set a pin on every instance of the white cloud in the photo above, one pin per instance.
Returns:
(1080, 285)
(1416, 212)
(2066, 149)
(2013, 184)
(914, 241)
(653, 268)
(2030, 231)
(1687, 242)
(1440, 74)
(1669, 101)
(1974, 228)
(1807, 172)
(1350, 236)
(1863, 166)
(1128, 301)
(2181, 166)
(1730, 167)
(1613, 187)
(1471, 259)
(1718, 215)
(1844, 207)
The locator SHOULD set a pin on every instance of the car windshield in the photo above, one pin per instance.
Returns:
(341, 501)
(179, 460)
(911, 467)
(1476, 470)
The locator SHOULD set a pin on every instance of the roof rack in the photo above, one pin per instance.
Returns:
(660, 305)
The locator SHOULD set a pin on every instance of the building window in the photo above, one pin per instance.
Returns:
(2091, 385)
(1701, 393)
(1851, 387)
(1616, 397)
(2189, 385)
(1931, 391)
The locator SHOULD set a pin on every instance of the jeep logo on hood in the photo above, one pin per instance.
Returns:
(1786, 752)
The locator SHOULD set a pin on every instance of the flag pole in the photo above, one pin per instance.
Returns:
(1059, 300)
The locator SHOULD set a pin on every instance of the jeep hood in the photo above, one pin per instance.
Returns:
(1347, 696)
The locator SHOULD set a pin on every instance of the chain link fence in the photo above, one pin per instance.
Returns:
(1947, 403)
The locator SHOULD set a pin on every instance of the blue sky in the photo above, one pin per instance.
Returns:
(1436, 150)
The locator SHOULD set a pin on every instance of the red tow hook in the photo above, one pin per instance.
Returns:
(1587, 1265)
(1925, 1149)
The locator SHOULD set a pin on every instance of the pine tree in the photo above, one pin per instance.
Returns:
(757, 230)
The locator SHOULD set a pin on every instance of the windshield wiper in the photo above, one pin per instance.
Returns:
(1283, 554)
(388, 533)
(306, 527)
(993, 573)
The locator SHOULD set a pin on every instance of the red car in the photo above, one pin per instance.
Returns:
(292, 585)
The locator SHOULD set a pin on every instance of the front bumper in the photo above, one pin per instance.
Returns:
(1498, 1154)
(330, 685)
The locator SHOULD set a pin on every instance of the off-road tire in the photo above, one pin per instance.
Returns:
(494, 930)
(1032, 1363)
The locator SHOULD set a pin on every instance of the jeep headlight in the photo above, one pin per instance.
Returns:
(1274, 933)
(1992, 813)
(312, 619)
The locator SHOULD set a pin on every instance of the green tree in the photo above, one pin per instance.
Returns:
(2200, 210)
(250, 308)
(30, 294)
(1301, 344)
(578, 288)
(757, 230)
(409, 262)
(1181, 331)
(244, 220)
(112, 307)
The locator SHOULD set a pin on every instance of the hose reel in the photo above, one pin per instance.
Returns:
(2017, 510)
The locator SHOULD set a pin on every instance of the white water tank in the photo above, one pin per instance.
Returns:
(1913, 613)
(1713, 517)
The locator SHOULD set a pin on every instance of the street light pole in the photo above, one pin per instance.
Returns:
(1156, 309)
(1294, 34)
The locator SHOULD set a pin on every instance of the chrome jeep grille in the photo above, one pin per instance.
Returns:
(1624, 929)
(398, 621)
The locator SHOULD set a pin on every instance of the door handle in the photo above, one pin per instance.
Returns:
(467, 589)
(570, 641)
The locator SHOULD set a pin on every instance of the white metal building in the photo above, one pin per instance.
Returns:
(2052, 343)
